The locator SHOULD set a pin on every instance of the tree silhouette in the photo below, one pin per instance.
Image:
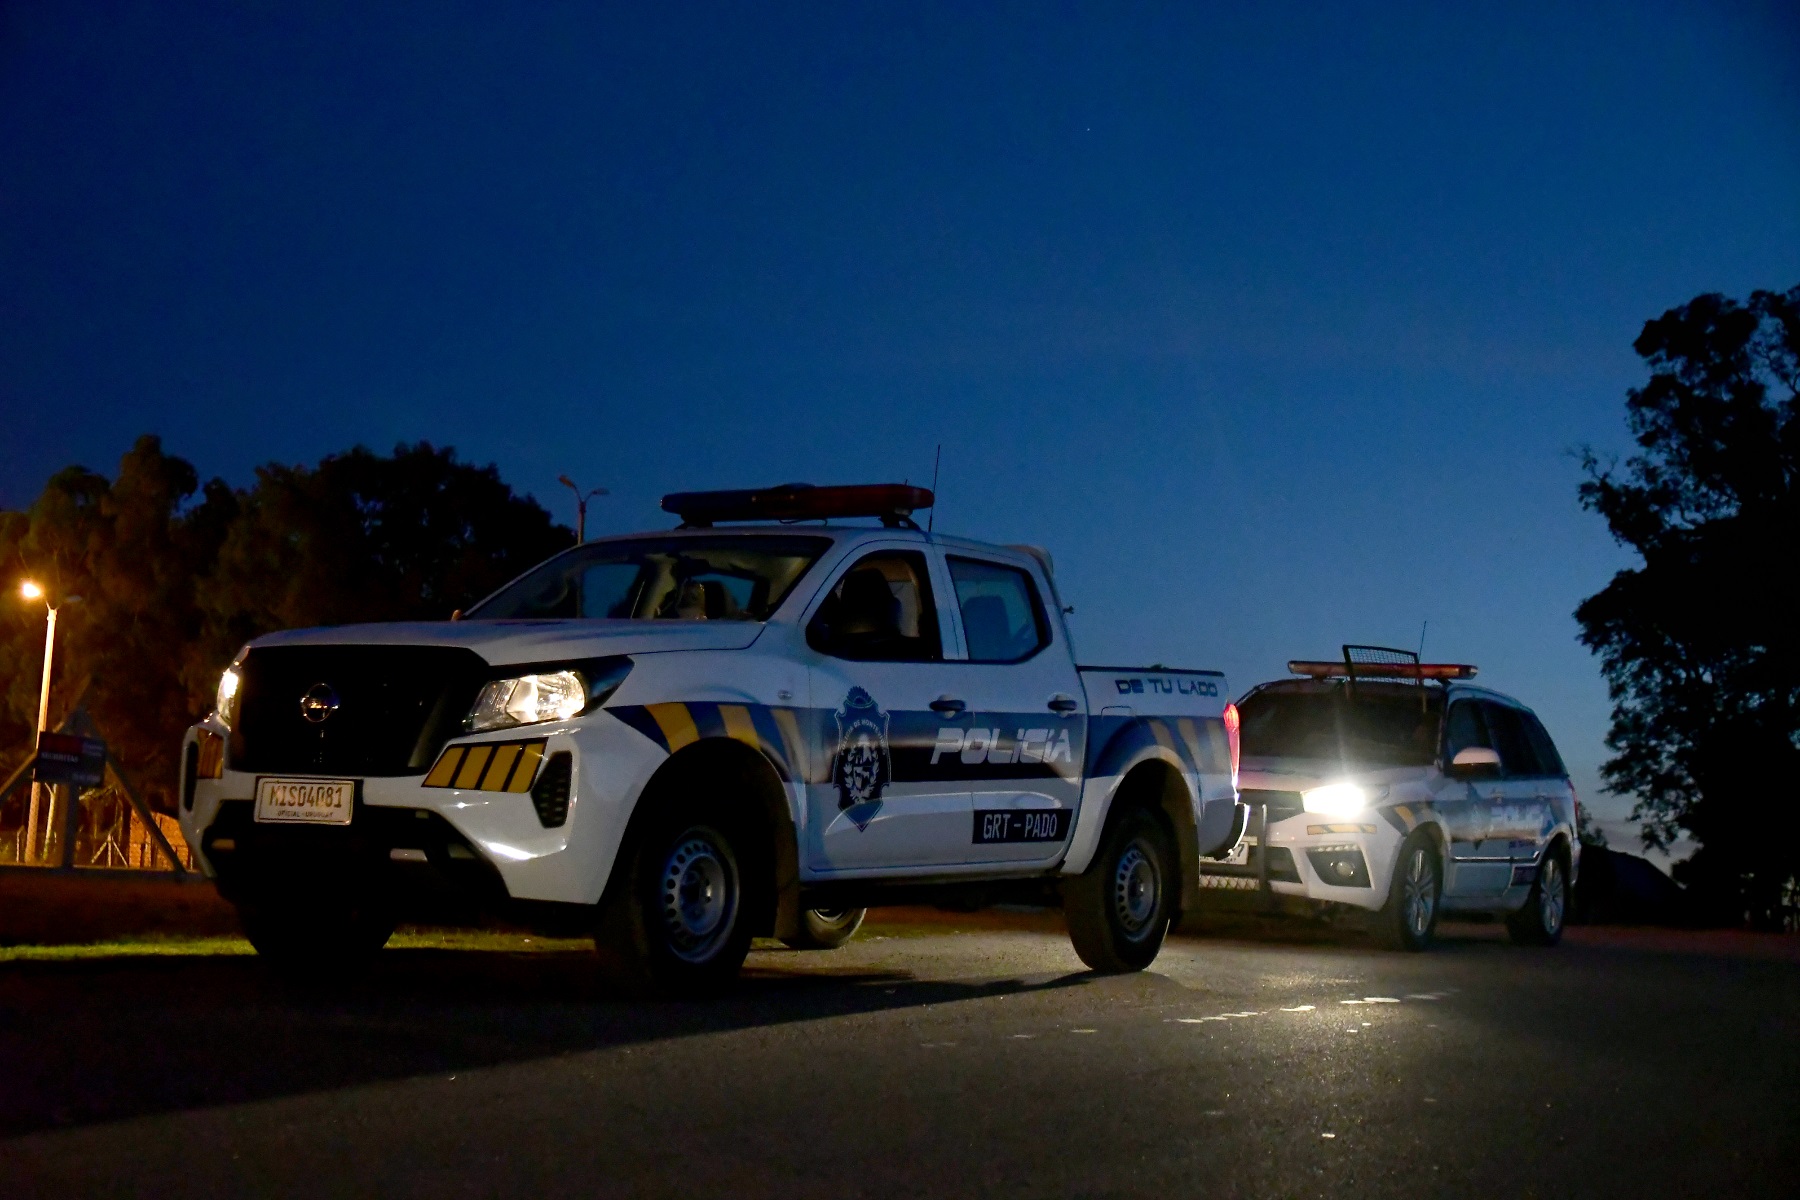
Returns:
(1699, 643)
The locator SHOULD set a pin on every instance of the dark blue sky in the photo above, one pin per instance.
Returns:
(1275, 328)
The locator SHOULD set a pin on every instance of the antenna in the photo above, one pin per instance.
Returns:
(936, 459)
(1423, 626)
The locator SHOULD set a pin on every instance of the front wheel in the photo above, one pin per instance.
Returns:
(677, 923)
(1118, 909)
(826, 928)
(1408, 921)
(1540, 922)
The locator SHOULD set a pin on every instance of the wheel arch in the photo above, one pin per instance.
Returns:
(1158, 786)
(724, 769)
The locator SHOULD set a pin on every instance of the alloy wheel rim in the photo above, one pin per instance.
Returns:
(697, 892)
(1552, 900)
(1419, 893)
(1137, 888)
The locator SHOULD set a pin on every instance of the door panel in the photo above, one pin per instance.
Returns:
(1476, 867)
(877, 667)
(1023, 741)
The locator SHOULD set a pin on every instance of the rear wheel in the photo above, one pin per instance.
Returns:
(826, 928)
(1118, 909)
(1408, 921)
(1540, 922)
(676, 921)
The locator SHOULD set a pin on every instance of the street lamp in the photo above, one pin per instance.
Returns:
(30, 590)
(581, 500)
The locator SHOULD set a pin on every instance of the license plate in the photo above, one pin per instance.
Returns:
(305, 801)
(1240, 856)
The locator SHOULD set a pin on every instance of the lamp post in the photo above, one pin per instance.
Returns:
(581, 500)
(33, 591)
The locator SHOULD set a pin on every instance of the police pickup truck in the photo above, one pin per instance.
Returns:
(759, 723)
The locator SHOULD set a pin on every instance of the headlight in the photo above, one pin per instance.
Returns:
(527, 700)
(1336, 800)
(228, 690)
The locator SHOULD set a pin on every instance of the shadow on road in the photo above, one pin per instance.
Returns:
(107, 1039)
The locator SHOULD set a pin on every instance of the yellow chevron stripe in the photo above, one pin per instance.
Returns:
(445, 769)
(1191, 736)
(793, 747)
(495, 778)
(738, 726)
(527, 769)
(1160, 732)
(472, 766)
(677, 724)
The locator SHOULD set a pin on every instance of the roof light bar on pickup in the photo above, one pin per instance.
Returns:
(1338, 670)
(894, 503)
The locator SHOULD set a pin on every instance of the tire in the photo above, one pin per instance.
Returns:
(826, 928)
(1408, 921)
(302, 941)
(1540, 922)
(677, 922)
(1118, 909)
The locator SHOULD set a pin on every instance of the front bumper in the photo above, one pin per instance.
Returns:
(437, 820)
(1313, 857)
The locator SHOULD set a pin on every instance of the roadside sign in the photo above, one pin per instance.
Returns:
(66, 758)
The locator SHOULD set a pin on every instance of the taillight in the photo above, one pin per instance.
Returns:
(1231, 737)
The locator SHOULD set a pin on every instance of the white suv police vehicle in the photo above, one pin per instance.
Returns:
(1395, 786)
(681, 740)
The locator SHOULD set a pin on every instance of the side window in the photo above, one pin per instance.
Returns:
(1516, 755)
(1548, 759)
(1003, 619)
(1464, 728)
(881, 610)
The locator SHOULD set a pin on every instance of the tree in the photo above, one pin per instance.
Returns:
(174, 577)
(366, 538)
(131, 550)
(1699, 643)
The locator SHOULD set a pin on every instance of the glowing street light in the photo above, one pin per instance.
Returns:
(31, 590)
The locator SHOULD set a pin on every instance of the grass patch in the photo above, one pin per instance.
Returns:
(173, 945)
(149, 945)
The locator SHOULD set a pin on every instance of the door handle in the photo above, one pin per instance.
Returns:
(950, 706)
(1065, 705)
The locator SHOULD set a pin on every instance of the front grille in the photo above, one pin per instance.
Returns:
(395, 707)
(1281, 805)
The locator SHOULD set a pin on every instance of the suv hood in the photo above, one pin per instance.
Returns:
(530, 641)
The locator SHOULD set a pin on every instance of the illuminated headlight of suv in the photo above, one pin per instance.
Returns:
(545, 696)
(1336, 800)
(226, 698)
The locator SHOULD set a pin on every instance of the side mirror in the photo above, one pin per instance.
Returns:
(1475, 760)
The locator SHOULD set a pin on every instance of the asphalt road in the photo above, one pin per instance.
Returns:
(972, 1057)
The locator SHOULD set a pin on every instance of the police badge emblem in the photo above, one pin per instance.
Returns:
(862, 765)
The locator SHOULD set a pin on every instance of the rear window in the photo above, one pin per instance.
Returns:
(1390, 727)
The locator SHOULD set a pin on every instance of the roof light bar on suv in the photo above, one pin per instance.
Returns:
(894, 503)
(1339, 670)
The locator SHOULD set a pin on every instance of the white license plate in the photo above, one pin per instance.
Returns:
(1240, 856)
(305, 801)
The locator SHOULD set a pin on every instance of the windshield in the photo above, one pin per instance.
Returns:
(728, 578)
(1381, 726)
